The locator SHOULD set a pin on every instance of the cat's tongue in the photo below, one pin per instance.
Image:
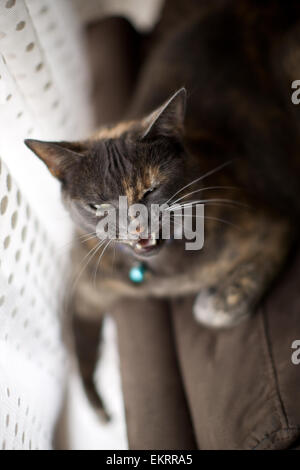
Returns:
(146, 243)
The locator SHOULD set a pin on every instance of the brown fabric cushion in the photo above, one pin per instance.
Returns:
(156, 410)
(242, 388)
(114, 49)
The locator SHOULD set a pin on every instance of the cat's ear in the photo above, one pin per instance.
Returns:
(168, 119)
(58, 156)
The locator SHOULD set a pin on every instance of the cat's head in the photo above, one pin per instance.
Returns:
(143, 160)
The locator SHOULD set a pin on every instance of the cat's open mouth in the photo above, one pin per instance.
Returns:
(146, 246)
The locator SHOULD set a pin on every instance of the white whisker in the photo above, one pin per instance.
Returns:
(89, 255)
(98, 263)
(203, 189)
(204, 201)
(76, 238)
(211, 218)
(218, 168)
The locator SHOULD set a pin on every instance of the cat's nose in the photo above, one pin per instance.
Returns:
(137, 230)
(140, 229)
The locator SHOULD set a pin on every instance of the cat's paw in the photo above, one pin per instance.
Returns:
(216, 311)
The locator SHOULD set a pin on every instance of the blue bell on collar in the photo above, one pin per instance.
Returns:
(137, 273)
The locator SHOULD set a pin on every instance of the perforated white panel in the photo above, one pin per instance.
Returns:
(32, 359)
(44, 92)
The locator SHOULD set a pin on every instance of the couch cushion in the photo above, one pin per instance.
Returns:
(243, 389)
(156, 411)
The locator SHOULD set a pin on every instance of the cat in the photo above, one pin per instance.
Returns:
(211, 120)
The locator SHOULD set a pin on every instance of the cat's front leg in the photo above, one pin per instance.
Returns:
(238, 291)
(230, 303)
(87, 336)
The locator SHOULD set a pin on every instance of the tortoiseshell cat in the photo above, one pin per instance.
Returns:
(239, 139)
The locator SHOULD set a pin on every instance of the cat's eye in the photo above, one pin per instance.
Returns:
(96, 207)
(149, 191)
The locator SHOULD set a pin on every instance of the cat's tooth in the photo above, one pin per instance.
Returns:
(150, 242)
